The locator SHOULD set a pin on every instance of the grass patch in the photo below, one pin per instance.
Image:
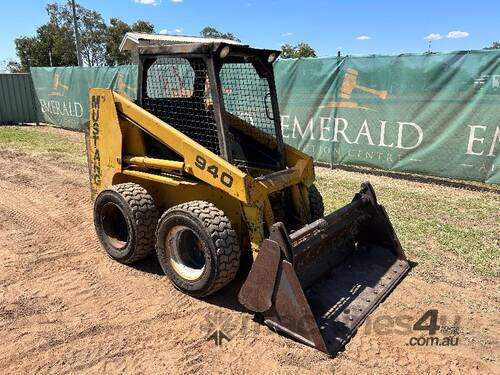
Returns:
(438, 226)
(68, 146)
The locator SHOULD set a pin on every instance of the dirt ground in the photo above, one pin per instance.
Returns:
(65, 307)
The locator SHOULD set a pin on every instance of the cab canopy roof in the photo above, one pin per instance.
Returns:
(234, 51)
(131, 41)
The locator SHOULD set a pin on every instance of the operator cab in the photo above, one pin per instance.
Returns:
(221, 95)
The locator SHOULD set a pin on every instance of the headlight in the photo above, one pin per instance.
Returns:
(224, 52)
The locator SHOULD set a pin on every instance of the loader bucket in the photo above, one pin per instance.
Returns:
(319, 284)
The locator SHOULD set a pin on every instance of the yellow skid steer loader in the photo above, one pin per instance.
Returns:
(196, 168)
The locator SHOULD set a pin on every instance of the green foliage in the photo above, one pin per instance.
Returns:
(142, 26)
(12, 66)
(114, 35)
(52, 46)
(91, 26)
(38, 141)
(295, 52)
(287, 51)
(212, 32)
(494, 45)
(54, 42)
(438, 226)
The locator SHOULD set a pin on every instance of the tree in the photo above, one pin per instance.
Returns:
(287, 51)
(91, 26)
(305, 50)
(54, 42)
(494, 45)
(114, 35)
(13, 67)
(295, 52)
(141, 26)
(212, 32)
(52, 46)
(10, 66)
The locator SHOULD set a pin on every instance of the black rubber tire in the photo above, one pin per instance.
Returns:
(125, 219)
(216, 241)
(316, 203)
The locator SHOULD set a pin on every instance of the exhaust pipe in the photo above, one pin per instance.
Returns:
(318, 284)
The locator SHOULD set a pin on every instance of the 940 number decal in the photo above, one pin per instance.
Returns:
(225, 178)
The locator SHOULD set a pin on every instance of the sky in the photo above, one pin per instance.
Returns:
(356, 27)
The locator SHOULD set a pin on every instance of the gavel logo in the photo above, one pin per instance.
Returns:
(57, 86)
(122, 87)
(350, 83)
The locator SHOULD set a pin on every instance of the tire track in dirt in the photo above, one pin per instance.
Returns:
(48, 240)
(66, 307)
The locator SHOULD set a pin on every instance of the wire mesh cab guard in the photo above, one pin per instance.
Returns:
(175, 92)
(194, 87)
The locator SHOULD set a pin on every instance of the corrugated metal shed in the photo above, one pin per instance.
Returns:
(131, 40)
(17, 99)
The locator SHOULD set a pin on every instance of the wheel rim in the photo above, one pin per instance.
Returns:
(186, 255)
(114, 225)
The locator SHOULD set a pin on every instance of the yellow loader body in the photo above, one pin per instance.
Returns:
(313, 278)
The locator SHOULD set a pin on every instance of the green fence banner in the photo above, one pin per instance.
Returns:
(432, 114)
(63, 92)
(17, 99)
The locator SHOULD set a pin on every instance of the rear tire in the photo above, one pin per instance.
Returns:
(197, 248)
(125, 219)
(316, 204)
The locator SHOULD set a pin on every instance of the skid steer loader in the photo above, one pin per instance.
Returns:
(196, 168)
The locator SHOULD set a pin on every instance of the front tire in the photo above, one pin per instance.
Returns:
(197, 248)
(316, 204)
(125, 219)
